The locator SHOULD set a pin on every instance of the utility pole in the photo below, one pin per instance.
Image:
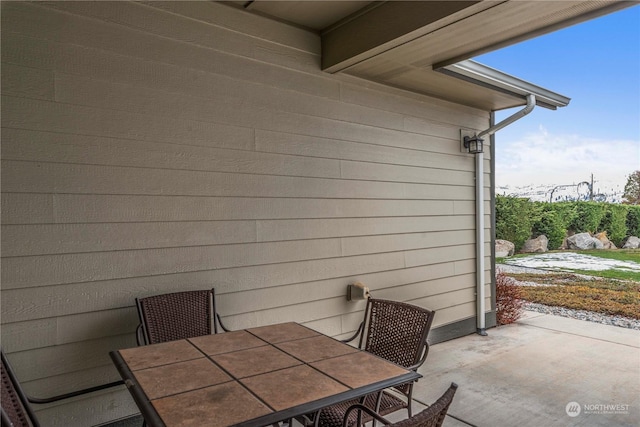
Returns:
(590, 185)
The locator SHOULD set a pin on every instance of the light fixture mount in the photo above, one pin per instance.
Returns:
(473, 144)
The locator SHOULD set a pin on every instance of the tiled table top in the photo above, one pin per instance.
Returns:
(249, 378)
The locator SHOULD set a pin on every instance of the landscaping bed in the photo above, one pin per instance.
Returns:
(590, 295)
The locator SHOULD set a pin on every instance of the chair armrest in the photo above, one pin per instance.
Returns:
(224, 328)
(74, 393)
(4, 418)
(425, 352)
(307, 420)
(362, 408)
(358, 332)
(140, 335)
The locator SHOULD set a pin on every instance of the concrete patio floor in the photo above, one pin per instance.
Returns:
(527, 373)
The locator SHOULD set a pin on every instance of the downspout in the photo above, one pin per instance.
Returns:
(480, 266)
(531, 103)
(480, 309)
(492, 210)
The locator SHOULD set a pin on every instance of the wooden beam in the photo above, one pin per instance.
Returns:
(380, 28)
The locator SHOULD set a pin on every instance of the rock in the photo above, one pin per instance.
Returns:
(632, 242)
(606, 243)
(584, 241)
(537, 245)
(504, 248)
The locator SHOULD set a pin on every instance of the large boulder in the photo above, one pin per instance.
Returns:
(606, 243)
(632, 242)
(537, 245)
(504, 248)
(583, 241)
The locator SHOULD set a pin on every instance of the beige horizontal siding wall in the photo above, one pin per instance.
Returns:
(150, 148)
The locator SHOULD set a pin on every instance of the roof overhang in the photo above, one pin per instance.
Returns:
(418, 45)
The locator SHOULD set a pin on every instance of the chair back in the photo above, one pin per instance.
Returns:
(397, 331)
(16, 410)
(176, 316)
(434, 415)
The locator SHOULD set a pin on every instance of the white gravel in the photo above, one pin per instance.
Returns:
(511, 268)
(623, 322)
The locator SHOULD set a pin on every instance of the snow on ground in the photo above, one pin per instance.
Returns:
(563, 261)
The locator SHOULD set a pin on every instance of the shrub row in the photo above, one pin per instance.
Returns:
(519, 219)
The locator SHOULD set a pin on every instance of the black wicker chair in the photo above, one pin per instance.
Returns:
(178, 315)
(397, 332)
(16, 405)
(433, 416)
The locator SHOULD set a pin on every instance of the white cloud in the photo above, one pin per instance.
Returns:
(543, 158)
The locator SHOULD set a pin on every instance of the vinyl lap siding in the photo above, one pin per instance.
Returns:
(150, 148)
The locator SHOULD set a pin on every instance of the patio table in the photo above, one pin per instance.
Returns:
(250, 378)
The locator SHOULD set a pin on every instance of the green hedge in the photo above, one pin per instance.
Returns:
(550, 223)
(614, 223)
(513, 219)
(633, 221)
(519, 219)
(588, 217)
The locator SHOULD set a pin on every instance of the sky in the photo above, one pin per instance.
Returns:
(597, 65)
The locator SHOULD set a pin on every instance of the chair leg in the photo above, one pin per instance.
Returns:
(377, 408)
(410, 400)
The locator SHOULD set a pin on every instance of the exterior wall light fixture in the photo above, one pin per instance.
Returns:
(473, 144)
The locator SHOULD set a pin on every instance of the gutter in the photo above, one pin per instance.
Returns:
(497, 80)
